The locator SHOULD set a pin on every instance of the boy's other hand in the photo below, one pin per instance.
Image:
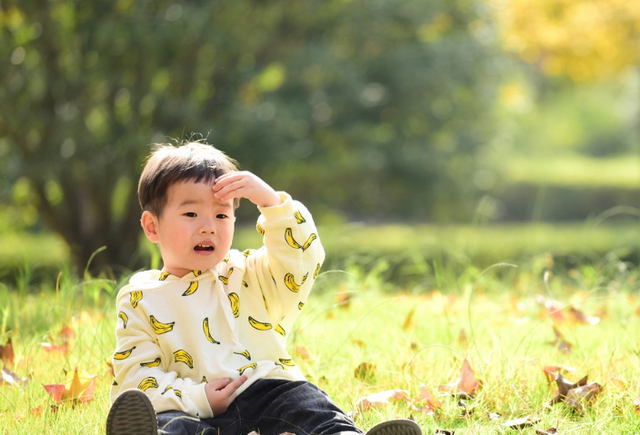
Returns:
(221, 392)
(244, 184)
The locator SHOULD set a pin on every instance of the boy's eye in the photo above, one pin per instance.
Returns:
(222, 216)
(190, 214)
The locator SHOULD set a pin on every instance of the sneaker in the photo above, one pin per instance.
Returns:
(132, 414)
(396, 427)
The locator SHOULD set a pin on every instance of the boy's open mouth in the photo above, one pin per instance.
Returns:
(203, 248)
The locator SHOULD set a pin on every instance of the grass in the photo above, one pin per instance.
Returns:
(409, 335)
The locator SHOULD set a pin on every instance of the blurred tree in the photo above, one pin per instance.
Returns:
(375, 108)
(582, 39)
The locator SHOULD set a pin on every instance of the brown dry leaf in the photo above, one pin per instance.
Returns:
(520, 423)
(408, 321)
(10, 378)
(79, 387)
(466, 386)
(637, 403)
(66, 334)
(365, 371)
(560, 343)
(554, 308)
(579, 317)
(381, 399)
(576, 397)
(6, 354)
(426, 402)
(551, 371)
(302, 352)
(575, 394)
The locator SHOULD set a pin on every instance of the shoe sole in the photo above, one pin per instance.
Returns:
(396, 427)
(132, 414)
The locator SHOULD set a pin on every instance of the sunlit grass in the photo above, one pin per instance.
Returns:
(409, 335)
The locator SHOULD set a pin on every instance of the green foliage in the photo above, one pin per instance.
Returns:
(386, 98)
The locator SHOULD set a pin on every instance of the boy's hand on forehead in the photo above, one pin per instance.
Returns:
(244, 184)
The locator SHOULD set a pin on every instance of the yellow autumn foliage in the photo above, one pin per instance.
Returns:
(582, 39)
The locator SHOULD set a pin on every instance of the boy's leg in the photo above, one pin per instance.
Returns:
(272, 407)
(132, 413)
(180, 423)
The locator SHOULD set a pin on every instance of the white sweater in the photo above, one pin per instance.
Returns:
(175, 334)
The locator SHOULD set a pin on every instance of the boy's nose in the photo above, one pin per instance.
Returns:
(208, 227)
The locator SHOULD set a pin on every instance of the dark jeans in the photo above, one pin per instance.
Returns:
(269, 407)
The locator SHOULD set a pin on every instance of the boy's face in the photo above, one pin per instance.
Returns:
(195, 231)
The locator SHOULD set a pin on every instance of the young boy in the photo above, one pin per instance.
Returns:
(201, 344)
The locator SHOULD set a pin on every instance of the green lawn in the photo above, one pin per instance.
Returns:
(401, 336)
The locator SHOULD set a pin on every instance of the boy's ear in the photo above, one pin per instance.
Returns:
(149, 223)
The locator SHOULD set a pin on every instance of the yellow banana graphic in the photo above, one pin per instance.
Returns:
(135, 297)
(159, 327)
(154, 363)
(124, 318)
(260, 326)
(197, 273)
(147, 383)
(164, 276)
(317, 271)
(247, 252)
(123, 354)
(280, 330)
(244, 284)
(235, 304)
(177, 393)
(260, 229)
(169, 387)
(115, 384)
(300, 305)
(244, 353)
(287, 362)
(225, 279)
(207, 332)
(299, 218)
(204, 380)
(183, 356)
(242, 369)
(290, 283)
(193, 287)
(288, 237)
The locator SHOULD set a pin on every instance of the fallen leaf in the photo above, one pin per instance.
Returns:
(576, 397)
(426, 402)
(365, 371)
(521, 423)
(6, 353)
(78, 387)
(554, 308)
(560, 343)
(579, 317)
(575, 394)
(466, 386)
(551, 371)
(10, 378)
(637, 403)
(66, 334)
(381, 399)
(408, 321)
(302, 352)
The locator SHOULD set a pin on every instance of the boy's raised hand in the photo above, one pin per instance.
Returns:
(244, 184)
(221, 392)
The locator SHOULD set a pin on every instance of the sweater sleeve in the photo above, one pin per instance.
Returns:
(138, 363)
(291, 258)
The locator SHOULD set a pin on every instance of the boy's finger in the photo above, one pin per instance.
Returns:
(220, 384)
(236, 383)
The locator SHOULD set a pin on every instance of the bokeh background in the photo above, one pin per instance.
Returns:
(494, 128)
